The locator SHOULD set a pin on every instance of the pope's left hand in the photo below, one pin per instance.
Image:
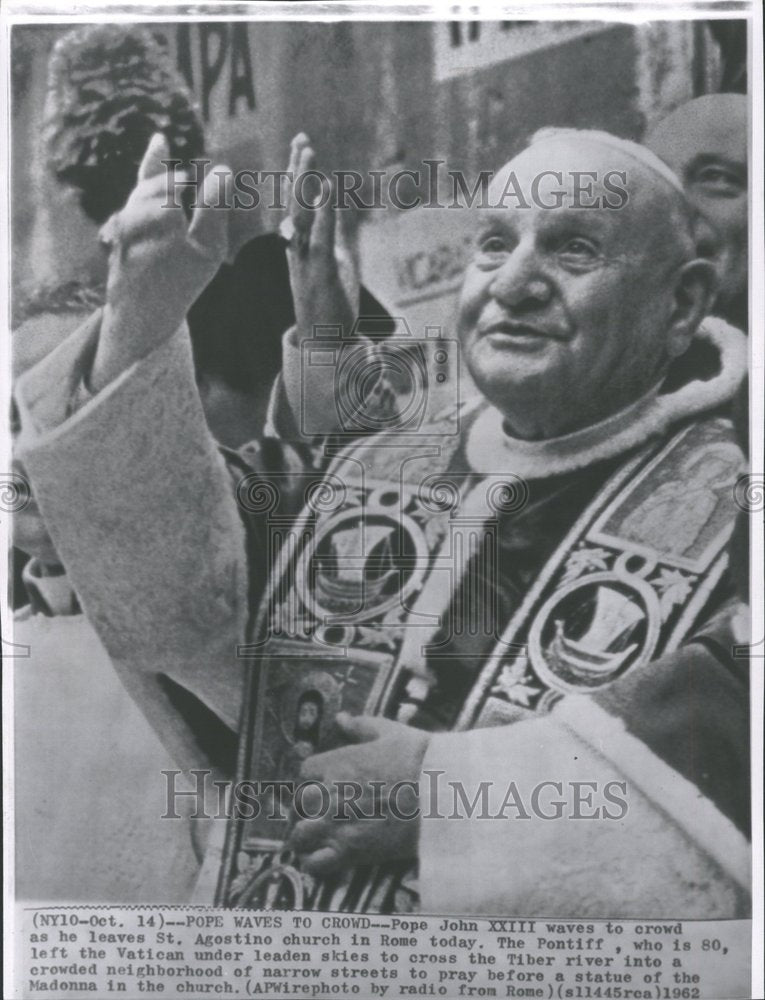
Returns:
(375, 817)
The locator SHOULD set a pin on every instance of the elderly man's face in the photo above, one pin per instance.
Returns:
(704, 142)
(569, 303)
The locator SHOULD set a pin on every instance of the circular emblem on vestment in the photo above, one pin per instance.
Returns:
(362, 562)
(593, 630)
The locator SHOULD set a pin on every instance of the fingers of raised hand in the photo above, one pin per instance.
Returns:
(299, 207)
(153, 219)
(347, 261)
(322, 238)
(299, 143)
(208, 232)
(156, 151)
(150, 212)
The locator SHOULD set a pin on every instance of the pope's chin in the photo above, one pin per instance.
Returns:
(508, 367)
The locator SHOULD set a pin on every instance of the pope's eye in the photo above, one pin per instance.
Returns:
(492, 244)
(580, 248)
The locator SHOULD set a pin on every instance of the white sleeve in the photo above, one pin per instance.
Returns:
(644, 860)
(140, 507)
(311, 379)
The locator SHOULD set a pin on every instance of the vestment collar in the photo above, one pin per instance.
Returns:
(651, 415)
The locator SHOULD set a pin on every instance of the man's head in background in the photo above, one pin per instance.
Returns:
(705, 143)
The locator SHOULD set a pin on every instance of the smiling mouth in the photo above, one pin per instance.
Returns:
(509, 334)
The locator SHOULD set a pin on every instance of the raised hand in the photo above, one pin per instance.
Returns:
(385, 759)
(159, 262)
(325, 285)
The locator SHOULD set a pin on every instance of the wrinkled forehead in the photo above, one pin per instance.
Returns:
(606, 192)
(603, 190)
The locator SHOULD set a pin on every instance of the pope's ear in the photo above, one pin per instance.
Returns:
(695, 291)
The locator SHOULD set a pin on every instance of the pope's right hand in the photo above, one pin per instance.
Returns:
(159, 262)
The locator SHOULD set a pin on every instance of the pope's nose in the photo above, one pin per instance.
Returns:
(518, 281)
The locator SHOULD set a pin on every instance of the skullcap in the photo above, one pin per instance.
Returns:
(633, 149)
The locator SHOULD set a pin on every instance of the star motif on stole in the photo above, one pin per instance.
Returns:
(513, 684)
